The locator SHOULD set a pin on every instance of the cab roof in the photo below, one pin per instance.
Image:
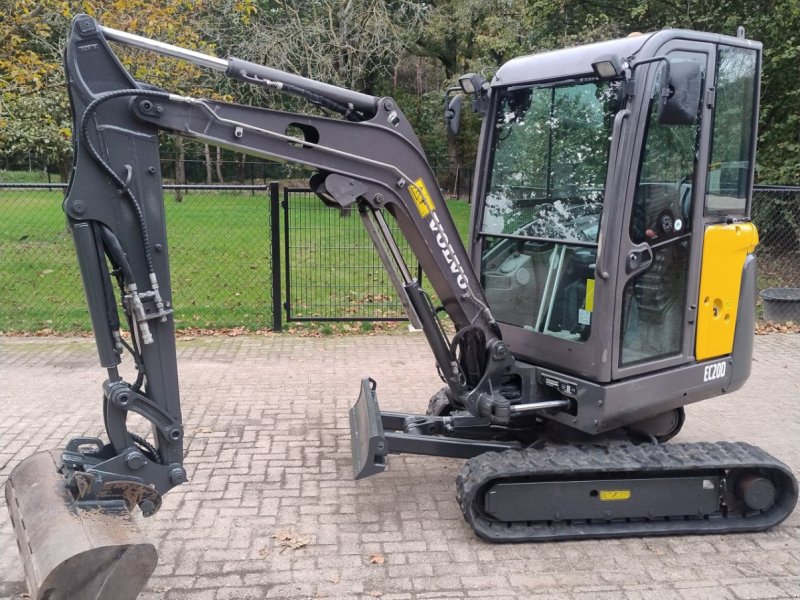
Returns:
(570, 63)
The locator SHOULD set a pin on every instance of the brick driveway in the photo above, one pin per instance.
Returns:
(268, 455)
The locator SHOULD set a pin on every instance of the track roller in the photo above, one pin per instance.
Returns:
(575, 492)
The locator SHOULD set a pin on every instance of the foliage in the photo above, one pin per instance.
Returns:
(365, 44)
(34, 114)
(777, 24)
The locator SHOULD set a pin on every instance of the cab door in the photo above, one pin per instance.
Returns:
(538, 229)
(661, 242)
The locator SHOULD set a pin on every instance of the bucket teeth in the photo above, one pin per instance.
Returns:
(72, 550)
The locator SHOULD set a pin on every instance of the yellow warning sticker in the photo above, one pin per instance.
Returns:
(589, 295)
(606, 495)
(421, 197)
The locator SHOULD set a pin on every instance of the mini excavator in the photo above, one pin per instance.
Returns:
(608, 281)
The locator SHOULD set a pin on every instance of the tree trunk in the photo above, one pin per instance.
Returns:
(240, 168)
(207, 157)
(180, 168)
(219, 165)
(64, 168)
(452, 159)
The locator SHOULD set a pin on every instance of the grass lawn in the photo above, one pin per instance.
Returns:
(219, 245)
(35, 176)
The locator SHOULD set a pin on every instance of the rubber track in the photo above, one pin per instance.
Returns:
(589, 462)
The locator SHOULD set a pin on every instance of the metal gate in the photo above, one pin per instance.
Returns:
(333, 272)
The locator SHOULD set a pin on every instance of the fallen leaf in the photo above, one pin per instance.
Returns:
(204, 430)
(766, 327)
(264, 552)
(377, 559)
(288, 538)
(376, 594)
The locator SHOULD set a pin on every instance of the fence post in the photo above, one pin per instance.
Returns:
(275, 239)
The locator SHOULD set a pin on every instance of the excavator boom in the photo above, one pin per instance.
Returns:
(76, 518)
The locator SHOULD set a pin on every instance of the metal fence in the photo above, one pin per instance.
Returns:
(456, 182)
(226, 264)
(226, 170)
(776, 213)
(220, 251)
(333, 272)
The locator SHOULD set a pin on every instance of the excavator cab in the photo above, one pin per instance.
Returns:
(598, 200)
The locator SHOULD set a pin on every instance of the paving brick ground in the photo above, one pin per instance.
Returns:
(268, 451)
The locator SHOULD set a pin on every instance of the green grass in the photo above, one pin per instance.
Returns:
(219, 247)
(38, 273)
(37, 176)
(220, 257)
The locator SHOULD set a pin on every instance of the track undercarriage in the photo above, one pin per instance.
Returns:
(536, 485)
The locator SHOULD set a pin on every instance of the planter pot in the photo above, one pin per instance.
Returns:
(781, 304)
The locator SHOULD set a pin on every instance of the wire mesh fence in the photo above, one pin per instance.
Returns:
(223, 272)
(776, 213)
(333, 272)
(225, 168)
(220, 253)
(39, 275)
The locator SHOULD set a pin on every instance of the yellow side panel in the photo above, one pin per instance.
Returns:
(724, 249)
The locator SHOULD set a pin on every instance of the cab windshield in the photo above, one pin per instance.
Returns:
(543, 204)
(550, 159)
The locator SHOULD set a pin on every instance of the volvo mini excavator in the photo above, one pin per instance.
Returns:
(608, 281)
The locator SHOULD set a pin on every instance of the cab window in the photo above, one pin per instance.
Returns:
(734, 125)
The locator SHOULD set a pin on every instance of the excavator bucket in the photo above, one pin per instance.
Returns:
(73, 550)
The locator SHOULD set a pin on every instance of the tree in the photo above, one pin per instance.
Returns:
(33, 108)
(411, 49)
(349, 43)
(34, 114)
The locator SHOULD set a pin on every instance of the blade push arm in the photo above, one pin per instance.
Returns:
(114, 205)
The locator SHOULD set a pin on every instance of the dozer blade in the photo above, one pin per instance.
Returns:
(367, 442)
(72, 550)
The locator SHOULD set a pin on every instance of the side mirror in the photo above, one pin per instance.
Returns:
(452, 115)
(680, 98)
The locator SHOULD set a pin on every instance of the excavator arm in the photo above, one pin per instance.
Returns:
(369, 158)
